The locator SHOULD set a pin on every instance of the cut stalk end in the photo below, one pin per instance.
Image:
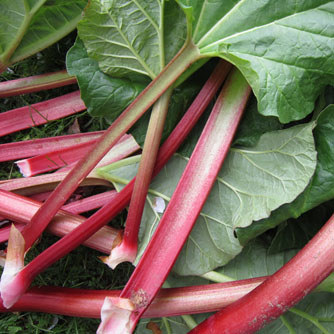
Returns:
(116, 316)
(24, 167)
(119, 254)
(11, 288)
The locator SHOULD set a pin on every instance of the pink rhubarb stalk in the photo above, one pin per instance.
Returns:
(279, 292)
(36, 83)
(107, 212)
(30, 148)
(20, 209)
(66, 156)
(126, 251)
(151, 93)
(169, 302)
(34, 185)
(182, 211)
(40, 113)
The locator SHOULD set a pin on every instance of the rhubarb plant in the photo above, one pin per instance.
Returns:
(121, 43)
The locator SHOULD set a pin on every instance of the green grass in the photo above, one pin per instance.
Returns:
(81, 268)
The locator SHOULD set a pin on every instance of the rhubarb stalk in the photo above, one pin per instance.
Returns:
(169, 302)
(40, 113)
(127, 249)
(20, 209)
(29, 148)
(107, 212)
(63, 157)
(183, 209)
(281, 291)
(36, 83)
(151, 93)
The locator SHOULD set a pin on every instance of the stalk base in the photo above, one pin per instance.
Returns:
(116, 316)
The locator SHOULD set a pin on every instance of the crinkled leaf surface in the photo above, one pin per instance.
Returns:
(285, 49)
(28, 26)
(107, 96)
(320, 189)
(251, 184)
(104, 96)
(130, 38)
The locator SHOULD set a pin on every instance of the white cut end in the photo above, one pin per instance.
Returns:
(116, 316)
(121, 253)
(24, 167)
(9, 289)
(159, 205)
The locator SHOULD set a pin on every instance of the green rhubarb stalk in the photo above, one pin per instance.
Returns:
(182, 211)
(126, 251)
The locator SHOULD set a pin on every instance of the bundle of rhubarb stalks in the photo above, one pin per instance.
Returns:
(213, 180)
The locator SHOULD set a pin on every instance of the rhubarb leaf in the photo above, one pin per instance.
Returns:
(255, 36)
(128, 38)
(320, 189)
(318, 307)
(28, 26)
(254, 261)
(104, 96)
(251, 184)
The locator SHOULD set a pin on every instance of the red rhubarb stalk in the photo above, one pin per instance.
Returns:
(279, 292)
(33, 185)
(36, 83)
(151, 93)
(42, 183)
(20, 209)
(62, 157)
(107, 212)
(30, 148)
(169, 302)
(40, 113)
(126, 251)
(183, 209)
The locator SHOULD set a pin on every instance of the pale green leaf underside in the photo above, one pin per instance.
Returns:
(28, 26)
(251, 184)
(128, 36)
(285, 49)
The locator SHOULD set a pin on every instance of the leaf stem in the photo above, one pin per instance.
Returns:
(127, 250)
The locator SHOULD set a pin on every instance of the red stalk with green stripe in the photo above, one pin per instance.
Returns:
(21, 280)
(121, 316)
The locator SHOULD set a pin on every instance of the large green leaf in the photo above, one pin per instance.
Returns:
(251, 184)
(131, 37)
(285, 49)
(104, 96)
(28, 26)
(320, 189)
